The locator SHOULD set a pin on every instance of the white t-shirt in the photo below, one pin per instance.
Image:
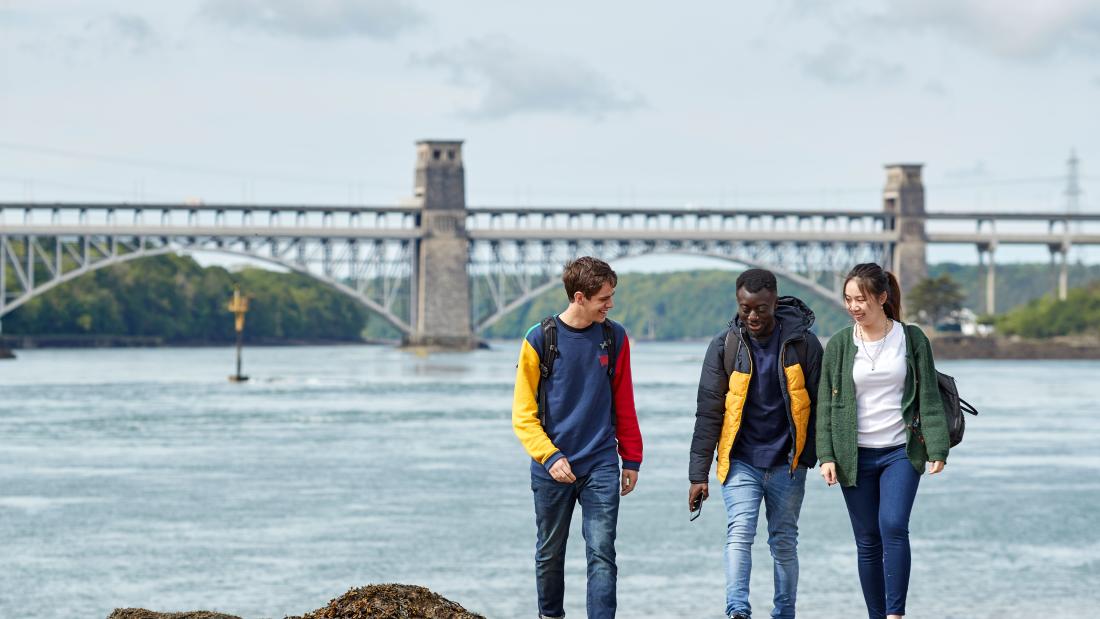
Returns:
(879, 390)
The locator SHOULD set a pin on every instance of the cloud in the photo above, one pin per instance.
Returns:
(316, 19)
(839, 65)
(935, 87)
(108, 34)
(516, 81)
(1022, 29)
(131, 32)
(976, 171)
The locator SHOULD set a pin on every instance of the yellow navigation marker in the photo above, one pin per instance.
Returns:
(239, 306)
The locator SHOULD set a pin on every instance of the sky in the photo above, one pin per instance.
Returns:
(786, 103)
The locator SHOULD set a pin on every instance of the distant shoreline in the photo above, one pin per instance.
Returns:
(954, 346)
(31, 342)
(945, 346)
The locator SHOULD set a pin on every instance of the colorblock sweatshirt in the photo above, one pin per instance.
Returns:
(578, 425)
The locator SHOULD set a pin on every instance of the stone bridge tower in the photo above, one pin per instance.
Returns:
(441, 297)
(903, 197)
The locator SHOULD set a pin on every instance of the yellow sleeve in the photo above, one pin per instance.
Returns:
(525, 407)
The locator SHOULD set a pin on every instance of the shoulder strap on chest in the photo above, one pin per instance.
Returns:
(802, 348)
(732, 349)
(547, 355)
(549, 351)
(609, 346)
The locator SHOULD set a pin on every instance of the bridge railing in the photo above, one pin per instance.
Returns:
(72, 216)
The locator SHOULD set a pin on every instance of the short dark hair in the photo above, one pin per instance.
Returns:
(755, 280)
(587, 275)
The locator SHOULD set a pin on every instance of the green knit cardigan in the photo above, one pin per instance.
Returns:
(837, 432)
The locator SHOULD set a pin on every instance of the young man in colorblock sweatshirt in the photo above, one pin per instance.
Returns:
(589, 416)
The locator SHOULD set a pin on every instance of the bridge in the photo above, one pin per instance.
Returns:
(441, 271)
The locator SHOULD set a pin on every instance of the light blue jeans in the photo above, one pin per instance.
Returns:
(742, 491)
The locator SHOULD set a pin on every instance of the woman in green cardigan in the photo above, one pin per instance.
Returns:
(867, 400)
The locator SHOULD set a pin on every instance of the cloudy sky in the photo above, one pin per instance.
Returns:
(768, 104)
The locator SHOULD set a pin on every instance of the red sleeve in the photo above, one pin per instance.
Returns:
(626, 416)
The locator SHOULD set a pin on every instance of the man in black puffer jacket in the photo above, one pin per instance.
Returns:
(755, 410)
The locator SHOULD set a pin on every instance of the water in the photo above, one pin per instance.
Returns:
(144, 478)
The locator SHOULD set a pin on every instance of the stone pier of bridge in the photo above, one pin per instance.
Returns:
(441, 313)
(903, 197)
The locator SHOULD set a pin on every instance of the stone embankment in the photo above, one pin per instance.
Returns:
(953, 346)
(371, 602)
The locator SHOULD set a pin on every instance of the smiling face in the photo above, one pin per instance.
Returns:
(596, 307)
(862, 306)
(757, 311)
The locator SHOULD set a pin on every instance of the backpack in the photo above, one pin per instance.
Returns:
(550, 352)
(953, 407)
(733, 346)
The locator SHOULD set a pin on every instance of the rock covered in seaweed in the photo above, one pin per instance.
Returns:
(390, 601)
(141, 613)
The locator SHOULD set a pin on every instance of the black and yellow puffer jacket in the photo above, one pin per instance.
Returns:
(722, 394)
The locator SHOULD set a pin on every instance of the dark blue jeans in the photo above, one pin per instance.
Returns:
(879, 507)
(598, 494)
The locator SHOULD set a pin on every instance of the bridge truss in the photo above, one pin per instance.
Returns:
(505, 275)
(370, 253)
(371, 263)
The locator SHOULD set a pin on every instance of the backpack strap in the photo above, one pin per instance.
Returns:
(612, 355)
(912, 354)
(802, 348)
(549, 353)
(609, 346)
(731, 350)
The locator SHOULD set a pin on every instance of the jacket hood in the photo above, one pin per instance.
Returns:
(793, 316)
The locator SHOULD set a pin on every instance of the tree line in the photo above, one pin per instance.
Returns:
(175, 299)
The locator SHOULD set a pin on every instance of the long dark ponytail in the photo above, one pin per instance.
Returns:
(873, 280)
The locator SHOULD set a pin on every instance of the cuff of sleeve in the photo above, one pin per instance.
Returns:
(552, 459)
(827, 460)
(693, 481)
(631, 465)
(935, 457)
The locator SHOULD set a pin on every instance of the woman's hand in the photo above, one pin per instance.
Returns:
(935, 466)
(828, 472)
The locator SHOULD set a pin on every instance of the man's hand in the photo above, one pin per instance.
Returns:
(630, 479)
(828, 472)
(562, 472)
(935, 466)
(697, 490)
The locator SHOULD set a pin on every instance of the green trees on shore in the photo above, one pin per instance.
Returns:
(934, 298)
(1047, 317)
(174, 298)
(670, 306)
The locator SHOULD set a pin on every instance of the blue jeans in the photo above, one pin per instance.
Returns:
(598, 494)
(879, 507)
(782, 495)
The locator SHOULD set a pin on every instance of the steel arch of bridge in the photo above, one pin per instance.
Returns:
(375, 272)
(505, 275)
(378, 273)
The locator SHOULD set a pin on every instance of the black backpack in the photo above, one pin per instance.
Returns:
(550, 352)
(732, 347)
(953, 407)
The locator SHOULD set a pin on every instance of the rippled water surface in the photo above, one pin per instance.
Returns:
(144, 478)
